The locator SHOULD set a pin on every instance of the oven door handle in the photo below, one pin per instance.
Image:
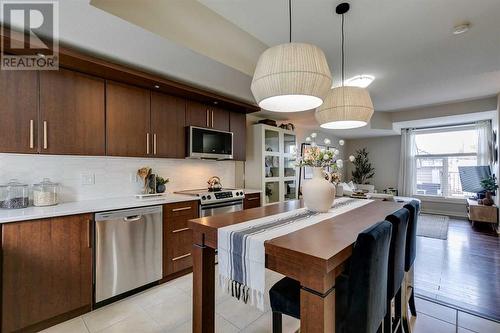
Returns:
(223, 204)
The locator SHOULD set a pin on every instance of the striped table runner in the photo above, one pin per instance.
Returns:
(241, 253)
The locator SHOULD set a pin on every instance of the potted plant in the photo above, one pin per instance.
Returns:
(489, 185)
(318, 192)
(160, 184)
(363, 171)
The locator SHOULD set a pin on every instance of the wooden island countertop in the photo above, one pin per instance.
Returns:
(313, 255)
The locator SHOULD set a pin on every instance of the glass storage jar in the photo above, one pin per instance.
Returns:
(45, 193)
(14, 195)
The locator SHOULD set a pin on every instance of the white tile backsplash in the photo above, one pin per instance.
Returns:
(114, 176)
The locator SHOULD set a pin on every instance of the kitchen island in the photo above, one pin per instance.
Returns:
(314, 256)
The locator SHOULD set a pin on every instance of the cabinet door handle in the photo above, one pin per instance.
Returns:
(255, 198)
(212, 119)
(181, 209)
(154, 143)
(45, 143)
(208, 117)
(147, 143)
(180, 230)
(32, 142)
(181, 257)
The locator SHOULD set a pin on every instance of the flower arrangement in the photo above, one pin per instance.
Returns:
(335, 177)
(318, 157)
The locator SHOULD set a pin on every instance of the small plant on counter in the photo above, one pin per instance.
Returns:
(160, 184)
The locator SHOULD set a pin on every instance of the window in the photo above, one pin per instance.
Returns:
(439, 153)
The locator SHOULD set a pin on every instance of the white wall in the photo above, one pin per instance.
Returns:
(114, 176)
(383, 153)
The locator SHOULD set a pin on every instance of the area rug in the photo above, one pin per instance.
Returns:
(433, 226)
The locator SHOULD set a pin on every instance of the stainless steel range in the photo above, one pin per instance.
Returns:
(224, 200)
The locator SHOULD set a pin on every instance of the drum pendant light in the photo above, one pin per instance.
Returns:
(291, 77)
(345, 107)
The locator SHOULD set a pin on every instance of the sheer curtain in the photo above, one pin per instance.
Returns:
(483, 129)
(407, 165)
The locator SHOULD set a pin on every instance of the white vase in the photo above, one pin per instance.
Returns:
(318, 192)
(339, 189)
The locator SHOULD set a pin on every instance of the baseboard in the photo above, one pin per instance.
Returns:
(55, 320)
(443, 212)
(176, 275)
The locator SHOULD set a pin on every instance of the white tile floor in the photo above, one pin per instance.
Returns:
(167, 308)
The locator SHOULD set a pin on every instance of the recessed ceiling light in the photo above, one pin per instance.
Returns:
(362, 81)
(157, 86)
(461, 28)
(215, 102)
(41, 55)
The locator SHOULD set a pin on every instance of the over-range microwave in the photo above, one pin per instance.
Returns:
(209, 143)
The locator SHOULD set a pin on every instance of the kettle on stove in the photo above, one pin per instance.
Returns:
(214, 184)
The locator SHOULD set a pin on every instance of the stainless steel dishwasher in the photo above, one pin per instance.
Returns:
(128, 251)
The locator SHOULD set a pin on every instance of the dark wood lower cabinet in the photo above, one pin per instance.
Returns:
(177, 237)
(251, 200)
(46, 272)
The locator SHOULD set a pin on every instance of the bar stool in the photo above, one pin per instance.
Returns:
(408, 293)
(360, 296)
(399, 221)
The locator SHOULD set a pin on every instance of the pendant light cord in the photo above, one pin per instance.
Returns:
(342, 50)
(290, 19)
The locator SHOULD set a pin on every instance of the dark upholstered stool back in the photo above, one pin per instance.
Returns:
(411, 233)
(361, 297)
(367, 281)
(399, 221)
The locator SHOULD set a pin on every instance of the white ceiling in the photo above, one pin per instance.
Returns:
(408, 45)
(95, 31)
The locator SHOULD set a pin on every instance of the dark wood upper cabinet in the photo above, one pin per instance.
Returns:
(219, 119)
(72, 114)
(203, 115)
(46, 271)
(238, 125)
(197, 114)
(18, 111)
(128, 120)
(168, 122)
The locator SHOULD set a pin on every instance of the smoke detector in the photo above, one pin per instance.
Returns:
(461, 28)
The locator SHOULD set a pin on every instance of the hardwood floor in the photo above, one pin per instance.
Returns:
(461, 271)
